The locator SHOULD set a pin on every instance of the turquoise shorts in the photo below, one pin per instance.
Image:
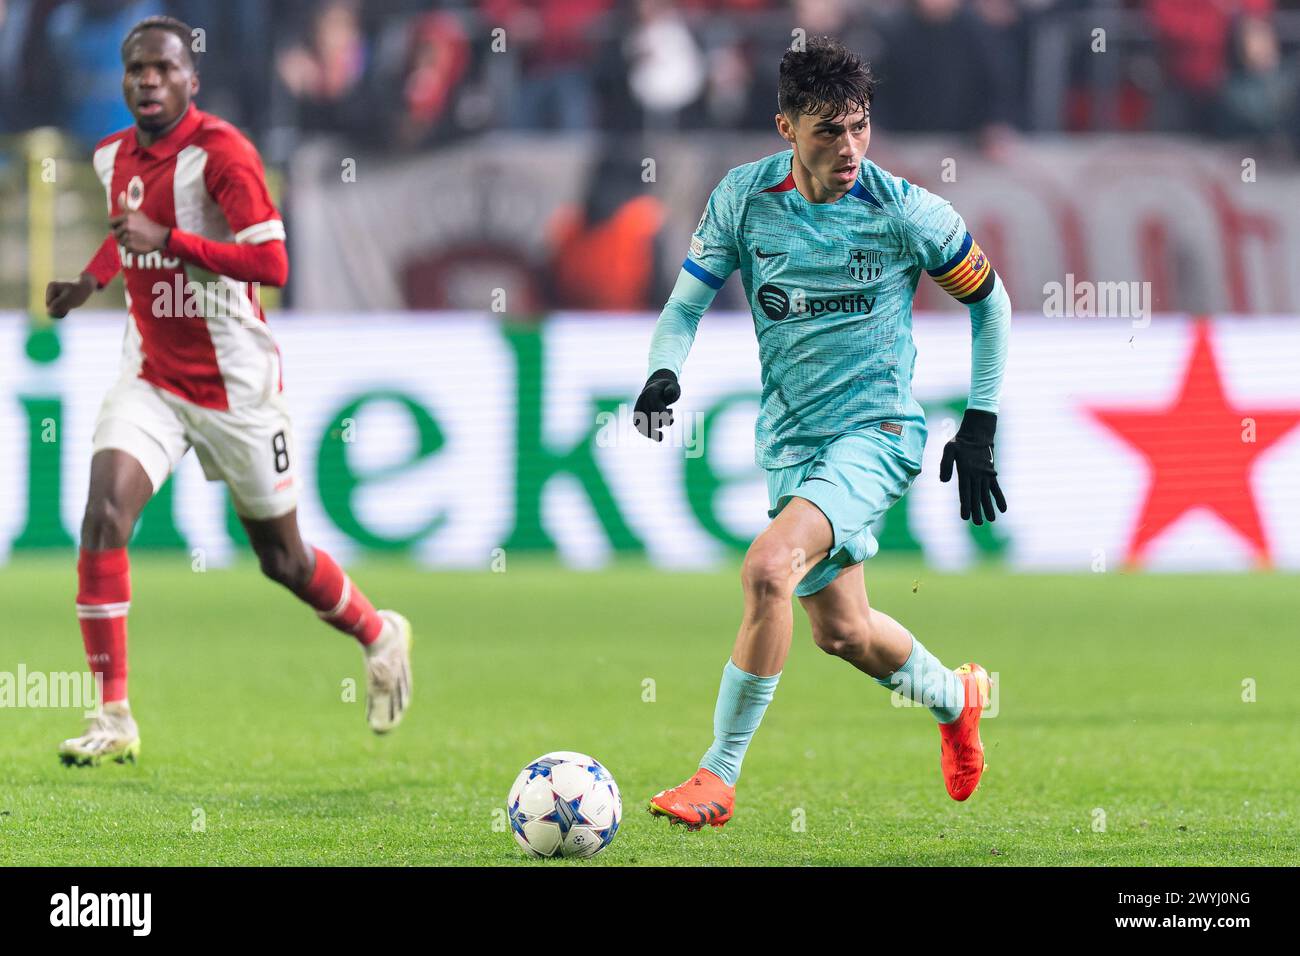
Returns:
(853, 479)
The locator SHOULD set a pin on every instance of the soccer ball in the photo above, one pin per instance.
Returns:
(564, 804)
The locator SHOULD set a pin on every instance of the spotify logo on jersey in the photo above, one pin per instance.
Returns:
(774, 302)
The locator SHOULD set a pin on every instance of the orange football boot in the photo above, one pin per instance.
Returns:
(705, 798)
(961, 754)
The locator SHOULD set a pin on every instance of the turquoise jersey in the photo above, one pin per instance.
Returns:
(830, 287)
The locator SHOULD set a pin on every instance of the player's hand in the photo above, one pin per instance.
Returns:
(977, 481)
(137, 232)
(62, 297)
(652, 413)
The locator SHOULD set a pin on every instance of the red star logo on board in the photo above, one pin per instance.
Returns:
(1200, 451)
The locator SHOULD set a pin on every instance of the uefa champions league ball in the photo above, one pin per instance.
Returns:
(564, 804)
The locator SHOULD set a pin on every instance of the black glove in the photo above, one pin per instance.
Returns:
(652, 412)
(977, 481)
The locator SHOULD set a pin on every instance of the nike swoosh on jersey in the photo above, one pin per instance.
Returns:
(767, 255)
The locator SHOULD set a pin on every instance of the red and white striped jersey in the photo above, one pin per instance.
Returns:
(197, 334)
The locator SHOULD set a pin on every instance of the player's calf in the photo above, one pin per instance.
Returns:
(313, 576)
(846, 639)
(288, 567)
(281, 553)
(872, 642)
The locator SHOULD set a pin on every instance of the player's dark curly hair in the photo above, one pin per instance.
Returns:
(824, 79)
(171, 25)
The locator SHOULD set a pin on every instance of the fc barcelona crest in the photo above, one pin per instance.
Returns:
(866, 265)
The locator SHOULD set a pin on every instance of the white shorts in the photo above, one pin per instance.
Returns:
(251, 449)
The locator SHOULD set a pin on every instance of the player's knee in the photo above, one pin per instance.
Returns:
(768, 571)
(106, 524)
(283, 567)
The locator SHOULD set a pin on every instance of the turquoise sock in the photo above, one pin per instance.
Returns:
(924, 679)
(742, 698)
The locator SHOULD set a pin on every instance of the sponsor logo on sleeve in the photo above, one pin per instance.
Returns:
(951, 234)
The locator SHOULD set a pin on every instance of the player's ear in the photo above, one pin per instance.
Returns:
(784, 128)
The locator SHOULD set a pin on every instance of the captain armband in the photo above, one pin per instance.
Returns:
(967, 276)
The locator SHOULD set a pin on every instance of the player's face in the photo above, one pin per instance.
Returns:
(830, 148)
(158, 79)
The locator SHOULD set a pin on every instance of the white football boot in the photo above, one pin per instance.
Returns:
(388, 674)
(111, 734)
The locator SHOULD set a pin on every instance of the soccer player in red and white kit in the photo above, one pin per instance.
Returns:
(190, 212)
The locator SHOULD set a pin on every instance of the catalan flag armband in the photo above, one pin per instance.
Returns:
(967, 276)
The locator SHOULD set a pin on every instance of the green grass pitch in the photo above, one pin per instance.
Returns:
(1122, 736)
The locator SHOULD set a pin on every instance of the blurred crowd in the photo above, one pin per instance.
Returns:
(416, 73)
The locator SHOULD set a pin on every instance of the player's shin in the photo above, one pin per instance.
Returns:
(103, 599)
(339, 602)
(925, 680)
(742, 700)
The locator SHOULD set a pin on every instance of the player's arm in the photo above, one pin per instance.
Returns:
(711, 259)
(674, 333)
(62, 297)
(236, 181)
(971, 279)
(971, 449)
(956, 262)
(266, 261)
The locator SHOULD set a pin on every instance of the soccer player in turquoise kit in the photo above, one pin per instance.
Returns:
(830, 248)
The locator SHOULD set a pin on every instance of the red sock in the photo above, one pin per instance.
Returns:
(103, 598)
(339, 602)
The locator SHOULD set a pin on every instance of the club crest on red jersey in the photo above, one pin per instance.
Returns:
(135, 193)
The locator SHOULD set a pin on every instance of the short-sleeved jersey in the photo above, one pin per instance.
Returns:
(206, 178)
(830, 287)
